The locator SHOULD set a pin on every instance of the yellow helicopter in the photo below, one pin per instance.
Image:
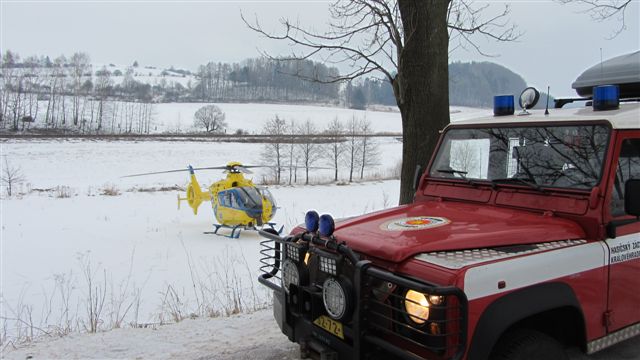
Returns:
(237, 202)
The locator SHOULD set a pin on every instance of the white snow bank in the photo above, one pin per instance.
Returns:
(245, 336)
(239, 337)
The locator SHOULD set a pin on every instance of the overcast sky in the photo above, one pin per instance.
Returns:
(558, 42)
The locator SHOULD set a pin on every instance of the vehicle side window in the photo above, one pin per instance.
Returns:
(222, 199)
(628, 168)
(233, 199)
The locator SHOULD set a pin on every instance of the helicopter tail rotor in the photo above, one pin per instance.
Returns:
(195, 195)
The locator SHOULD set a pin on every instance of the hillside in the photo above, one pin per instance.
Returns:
(475, 84)
(251, 80)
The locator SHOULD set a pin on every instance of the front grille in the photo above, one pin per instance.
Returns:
(380, 317)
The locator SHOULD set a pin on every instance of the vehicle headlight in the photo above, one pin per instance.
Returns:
(335, 298)
(290, 274)
(417, 306)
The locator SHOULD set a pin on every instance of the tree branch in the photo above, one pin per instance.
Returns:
(604, 10)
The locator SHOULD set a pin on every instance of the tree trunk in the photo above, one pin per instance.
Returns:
(421, 86)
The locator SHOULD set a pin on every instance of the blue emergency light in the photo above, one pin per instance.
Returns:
(606, 97)
(311, 220)
(503, 105)
(327, 225)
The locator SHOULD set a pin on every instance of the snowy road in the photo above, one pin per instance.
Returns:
(247, 336)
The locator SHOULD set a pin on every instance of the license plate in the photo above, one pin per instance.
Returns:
(330, 325)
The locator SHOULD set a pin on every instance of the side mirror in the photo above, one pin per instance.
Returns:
(632, 197)
(416, 177)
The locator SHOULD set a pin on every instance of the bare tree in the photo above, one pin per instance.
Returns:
(369, 153)
(464, 157)
(11, 176)
(309, 148)
(273, 152)
(80, 65)
(336, 148)
(211, 118)
(600, 10)
(102, 88)
(292, 155)
(352, 145)
(407, 42)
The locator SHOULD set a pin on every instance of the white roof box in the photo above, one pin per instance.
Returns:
(623, 70)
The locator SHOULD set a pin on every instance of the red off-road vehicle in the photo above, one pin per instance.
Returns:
(523, 239)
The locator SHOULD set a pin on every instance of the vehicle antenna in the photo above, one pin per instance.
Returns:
(601, 70)
(546, 110)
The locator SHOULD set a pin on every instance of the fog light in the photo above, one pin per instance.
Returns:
(334, 298)
(290, 274)
(417, 306)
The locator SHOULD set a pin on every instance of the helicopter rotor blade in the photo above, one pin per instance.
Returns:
(212, 168)
(244, 170)
(287, 167)
(155, 173)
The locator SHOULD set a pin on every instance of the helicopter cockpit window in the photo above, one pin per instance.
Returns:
(224, 198)
(233, 200)
(248, 197)
(267, 195)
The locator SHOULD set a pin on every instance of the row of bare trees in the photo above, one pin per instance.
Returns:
(302, 146)
(65, 94)
(264, 79)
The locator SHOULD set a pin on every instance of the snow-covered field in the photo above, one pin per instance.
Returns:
(251, 117)
(137, 245)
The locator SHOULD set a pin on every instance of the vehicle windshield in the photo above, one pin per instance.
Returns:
(542, 156)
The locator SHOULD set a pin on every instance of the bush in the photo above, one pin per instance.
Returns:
(110, 190)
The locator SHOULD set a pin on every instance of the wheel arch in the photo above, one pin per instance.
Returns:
(528, 306)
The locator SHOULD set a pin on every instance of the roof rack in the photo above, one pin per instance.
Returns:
(560, 102)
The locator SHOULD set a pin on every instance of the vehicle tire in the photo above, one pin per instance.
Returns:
(526, 344)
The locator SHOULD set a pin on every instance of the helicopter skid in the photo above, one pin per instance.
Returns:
(235, 230)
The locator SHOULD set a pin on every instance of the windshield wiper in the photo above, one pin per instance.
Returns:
(462, 174)
(532, 184)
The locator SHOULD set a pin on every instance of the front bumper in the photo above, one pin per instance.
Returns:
(376, 328)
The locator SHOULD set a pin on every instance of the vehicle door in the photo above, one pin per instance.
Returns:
(624, 249)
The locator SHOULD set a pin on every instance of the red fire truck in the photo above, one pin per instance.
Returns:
(523, 240)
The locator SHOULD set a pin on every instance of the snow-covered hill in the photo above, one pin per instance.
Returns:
(149, 74)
